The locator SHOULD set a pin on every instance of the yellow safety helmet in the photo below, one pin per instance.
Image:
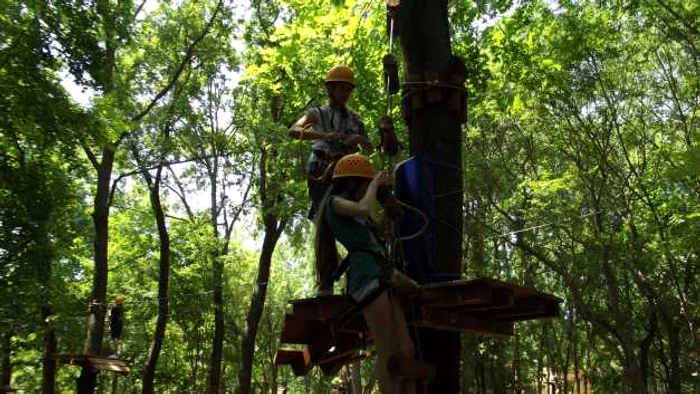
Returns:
(354, 165)
(119, 299)
(340, 74)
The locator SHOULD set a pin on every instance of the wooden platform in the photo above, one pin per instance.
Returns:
(480, 306)
(95, 363)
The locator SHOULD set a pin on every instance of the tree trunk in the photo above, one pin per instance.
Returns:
(115, 383)
(163, 279)
(218, 341)
(48, 383)
(218, 290)
(434, 130)
(273, 230)
(6, 359)
(356, 381)
(98, 299)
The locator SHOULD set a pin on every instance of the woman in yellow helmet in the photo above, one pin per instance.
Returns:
(344, 216)
(334, 129)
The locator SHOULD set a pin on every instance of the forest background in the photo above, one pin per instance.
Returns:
(144, 144)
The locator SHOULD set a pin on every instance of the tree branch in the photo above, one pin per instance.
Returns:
(180, 194)
(90, 156)
(181, 67)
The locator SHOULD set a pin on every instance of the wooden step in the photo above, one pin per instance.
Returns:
(95, 363)
(298, 359)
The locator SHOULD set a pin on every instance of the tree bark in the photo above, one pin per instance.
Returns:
(163, 280)
(273, 229)
(218, 289)
(48, 383)
(435, 130)
(98, 298)
(6, 359)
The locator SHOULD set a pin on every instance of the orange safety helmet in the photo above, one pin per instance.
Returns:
(119, 299)
(340, 74)
(353, 165)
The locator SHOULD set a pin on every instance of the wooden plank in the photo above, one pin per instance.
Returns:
(102, 364)
(453, 294)
(95, 363)
(524, 309)
(501, 298)
(298, 359)
(320, 308)
(106, 364)
(447, 320)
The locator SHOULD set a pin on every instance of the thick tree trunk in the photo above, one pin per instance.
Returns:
(98, 299)
(435, 130)
(163, 280)
(273, 230)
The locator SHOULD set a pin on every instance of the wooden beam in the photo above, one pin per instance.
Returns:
(446, 320)
(332, 366)
(524, 309)
(501, 298)
(454, 294)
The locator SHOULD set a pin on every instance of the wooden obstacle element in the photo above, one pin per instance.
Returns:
(95, 363)
(479, 306)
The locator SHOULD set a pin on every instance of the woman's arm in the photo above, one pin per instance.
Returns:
(361, 209)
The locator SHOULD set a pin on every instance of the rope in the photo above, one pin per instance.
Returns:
(423, 216)
(324, 174)
(391, 52)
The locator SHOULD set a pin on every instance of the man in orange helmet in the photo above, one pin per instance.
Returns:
(334, 129)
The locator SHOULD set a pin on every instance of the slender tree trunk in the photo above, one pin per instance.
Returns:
(48, 382)
(98, 299)
(435, 130)
(674, 347)
(577, 364)
(163, 280)
(6, 359)
(356, 382)
(115, 384)
(273, 230)
(218, 289)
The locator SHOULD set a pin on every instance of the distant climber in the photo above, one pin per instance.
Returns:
(334, 129)
(116, 324)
